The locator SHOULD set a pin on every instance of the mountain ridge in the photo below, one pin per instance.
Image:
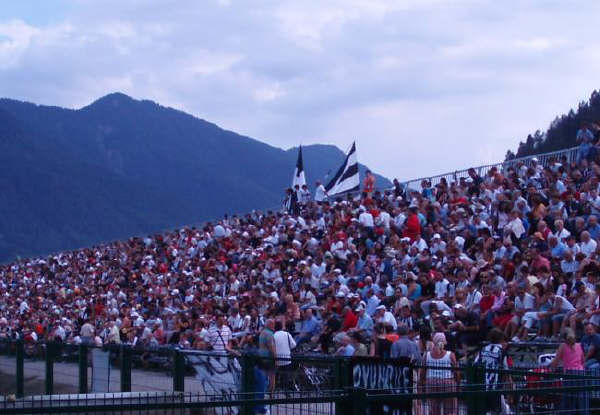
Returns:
(120, 167)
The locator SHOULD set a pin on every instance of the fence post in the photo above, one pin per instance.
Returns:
(20, 392)
(83, 368)
(340, 374)
(247, 381)
(358, 400)
(50, 352)
(470, 388)
(178, 371)
(342, 381)
(125, 368)
(475, 388)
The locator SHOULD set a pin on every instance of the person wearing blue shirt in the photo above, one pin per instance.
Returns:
(365, 322)
(422, 219)
(368, 286)
(557, 249)
(309, 327)
(593, 227)
(372, 302)
(346, 349)
(359, 266)
(569, 264)
(584, 137)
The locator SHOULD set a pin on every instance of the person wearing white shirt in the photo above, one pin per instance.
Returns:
(572, 246)
(473, 299)
(304, 195)
(420, 244)
(284, 344)
(437, 244)
(366, 219)
(113, 336)
(587, 245)
(384, 219)
(60, 332)
(594, 200)
(307, 297)
(320, 192)
(23, 307)
(318, 268)
(385, 317)
(515, 225)
(441, 286)
(340, 251)
(561, 233)
(399, 220)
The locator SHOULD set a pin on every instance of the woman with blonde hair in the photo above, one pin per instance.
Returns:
(572, 359)
(438, 376)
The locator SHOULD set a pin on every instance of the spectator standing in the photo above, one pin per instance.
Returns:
(590, 343)
(284, 344)
(405, 347)
(492, 356)
(571, 357)
(439, 377)
(369, 184)
(267, 352)
(219, 336)
(380, 346)
(320, 192)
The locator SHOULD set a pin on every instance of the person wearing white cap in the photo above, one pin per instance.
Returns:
(385, 317)
(437, 244)
(365, 322)
(460, 242)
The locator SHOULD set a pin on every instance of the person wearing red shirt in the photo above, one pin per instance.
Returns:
(540, 263)
(457, 199)
(350, 319)
(412, 228)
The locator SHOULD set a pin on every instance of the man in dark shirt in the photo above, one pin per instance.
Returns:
(465, 327)
(591, 347)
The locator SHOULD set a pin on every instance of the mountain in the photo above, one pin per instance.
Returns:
(562, 130)
(122, 167)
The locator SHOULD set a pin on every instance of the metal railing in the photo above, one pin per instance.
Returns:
(544, 159)
(302, 384)
(52, 368)
(476, 396)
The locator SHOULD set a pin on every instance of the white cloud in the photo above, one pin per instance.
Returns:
(15, 36)
(423, 85)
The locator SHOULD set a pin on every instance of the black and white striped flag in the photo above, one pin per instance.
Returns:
(346, 179)
(299, 178)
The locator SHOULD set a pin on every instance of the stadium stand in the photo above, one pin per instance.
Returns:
(512, 247)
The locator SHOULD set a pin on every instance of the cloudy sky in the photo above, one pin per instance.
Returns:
(423, 86)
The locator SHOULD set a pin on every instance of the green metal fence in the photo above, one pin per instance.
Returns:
(50, 376)
(354, 401)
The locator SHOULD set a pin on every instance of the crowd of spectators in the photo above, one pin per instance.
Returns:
(514, 250)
